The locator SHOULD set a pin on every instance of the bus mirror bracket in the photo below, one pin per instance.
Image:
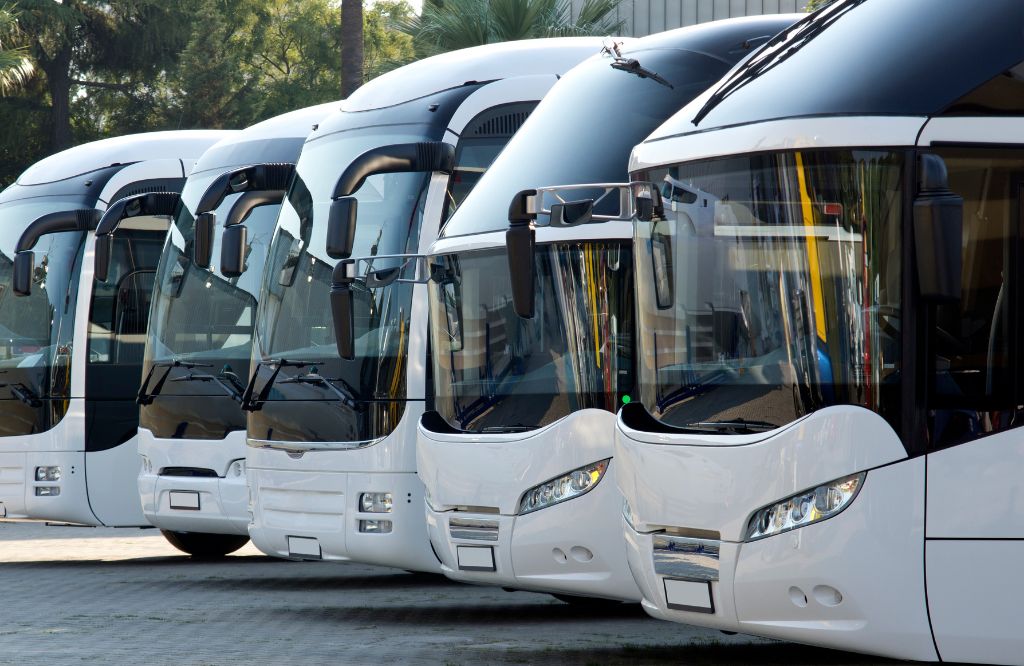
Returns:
(343, 309)
(233, 246)
(341, 227)
(83, 219)
(152, 203)
(938, 233)
(202, 247)
(572, 213)
(520, 240)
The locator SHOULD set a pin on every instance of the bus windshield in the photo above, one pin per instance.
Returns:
(294, 321)
(495, 371)
(37, 331)
(771, 289)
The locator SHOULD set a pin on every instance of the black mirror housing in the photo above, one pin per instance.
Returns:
(101, 263)
(202, 247)
(343, 312)
(233, 246)
(341, 227)
(938, 233)
(24, 265)
(519, 243)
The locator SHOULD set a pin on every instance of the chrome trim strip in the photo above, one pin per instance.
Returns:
(474, 530)
(686, 558)
(299, 448)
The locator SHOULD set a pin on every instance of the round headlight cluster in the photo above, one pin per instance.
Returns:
(570, 485)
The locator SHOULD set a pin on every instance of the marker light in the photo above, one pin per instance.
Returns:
(375, 502)
(375, 526)
(808, 507)
(237, 468)
(566, 487)
(48, 473)
(47, 491)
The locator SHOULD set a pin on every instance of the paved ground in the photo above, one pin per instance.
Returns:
(72, 595)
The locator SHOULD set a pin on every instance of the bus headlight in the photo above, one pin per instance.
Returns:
(566, 487)
(808, 507)
(50, 473)
(375, 502)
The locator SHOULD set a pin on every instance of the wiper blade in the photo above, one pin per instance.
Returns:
(345, 393)
(226, 380)
(736, 426)
(23, 393)
(633, 66)
(776, 51)
(254, 404)
(146, 397)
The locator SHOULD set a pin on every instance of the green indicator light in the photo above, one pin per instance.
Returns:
(626, 399)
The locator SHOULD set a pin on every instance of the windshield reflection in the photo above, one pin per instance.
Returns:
(771, 289)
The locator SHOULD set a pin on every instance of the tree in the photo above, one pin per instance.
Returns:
(446, 25)
(351, 46)
(15, 67)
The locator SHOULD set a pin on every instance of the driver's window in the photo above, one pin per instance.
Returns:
(975, 339)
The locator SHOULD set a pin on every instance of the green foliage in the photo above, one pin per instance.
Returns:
(15, 66)
(137, 65)
(812, 5)
(446, 25)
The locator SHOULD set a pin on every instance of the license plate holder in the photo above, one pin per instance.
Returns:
(688, 595)
(184, 500)
(476, 558)
(304, 547)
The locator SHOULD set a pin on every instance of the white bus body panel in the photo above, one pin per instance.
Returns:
(222, 501)
(784, 586)
(975, 551)
(574, 547)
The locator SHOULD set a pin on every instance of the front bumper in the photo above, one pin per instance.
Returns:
(570, 548)
(209, 505)
(316, 515)
(20, 492)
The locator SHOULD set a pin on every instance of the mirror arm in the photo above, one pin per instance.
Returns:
(250, 200)
(411, 157)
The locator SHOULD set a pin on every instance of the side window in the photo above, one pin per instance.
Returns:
(482, 139)
(119, 312)
(976, 357)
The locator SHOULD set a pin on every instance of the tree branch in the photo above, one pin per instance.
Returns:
(123, 87)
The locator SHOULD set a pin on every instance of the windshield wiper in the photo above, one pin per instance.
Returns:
(254, 404)
(146, 397)
(785, 44)
(631, 65)
(226, 380)
(345, 393)
(23, 393)
(734, 426)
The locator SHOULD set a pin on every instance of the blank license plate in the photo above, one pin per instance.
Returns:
(476, 558)
(688, 595)
(185, 500)
(304, 547)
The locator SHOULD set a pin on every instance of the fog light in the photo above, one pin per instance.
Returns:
(375, 526)
(47, 491)
(51, 473)
(375, 503)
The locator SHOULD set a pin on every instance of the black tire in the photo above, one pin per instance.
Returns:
(587, 602)
(205, 546)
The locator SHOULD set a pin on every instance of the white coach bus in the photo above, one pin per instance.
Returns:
(824, 448)
(71, 348)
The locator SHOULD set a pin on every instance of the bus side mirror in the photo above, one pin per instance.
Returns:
(343, 311)
(341, 227)
(24, 264)
(938, 233)
(101, 264)
(232, 250)
(202, 248)
(649, 205)
(519, 244)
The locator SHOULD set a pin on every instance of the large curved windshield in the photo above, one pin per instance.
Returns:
(37, 331)
(771, 289)
(495, 371)
(367, 394)
(582, 132)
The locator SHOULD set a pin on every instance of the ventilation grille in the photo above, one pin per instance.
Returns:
(506, 124)
(145, 189)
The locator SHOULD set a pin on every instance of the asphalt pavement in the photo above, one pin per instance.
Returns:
(78, 595)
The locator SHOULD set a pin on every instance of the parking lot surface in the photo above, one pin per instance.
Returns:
(73, 595)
